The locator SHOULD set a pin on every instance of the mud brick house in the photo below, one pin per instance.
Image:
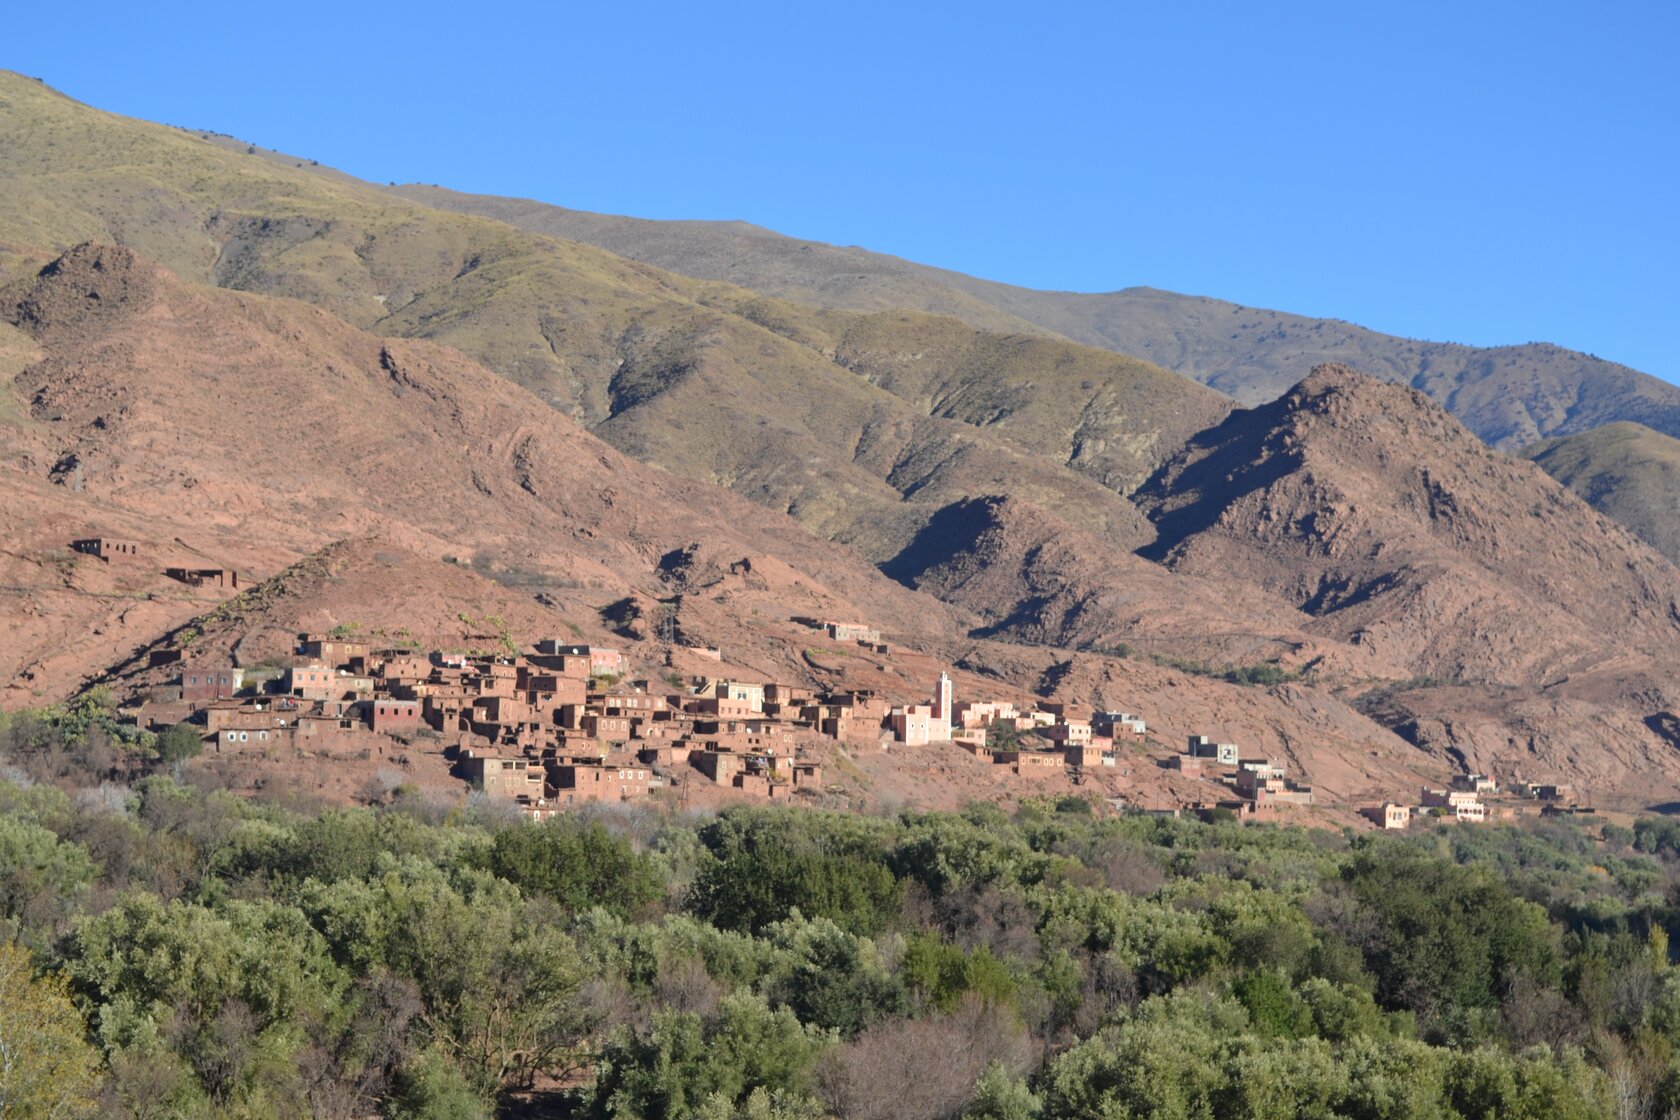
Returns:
(851, 632)
(756, 784)
(1224, 754)
(504, 777)
(978, 714)
(501, 710)
(720, 766)
(208, 682)
(1447, 799)
(788, 695)
(108, 548)
(1071, 733)
(321, 682)
(554, 688)
(574, 781)
(806, 775)
(1265, 784)
(750, 694)
(233, 737)
(574, 666)
(1118, 725)
(496, 678)
(405, 670)
(1031, 764)
(912, 725)
(1388, 816)
(635, 705)
(666, 756)
(721, 707)
(224, 715)
(1464, 805)
(339, 653)
(1188, 765)
(326, 731)
(204, 577)
(612, 729)
(1087, 755)
(600, 662)
(388, 716)
(1476, 783)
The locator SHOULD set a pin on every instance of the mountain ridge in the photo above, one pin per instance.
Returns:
(1509, 395)
(661, 365)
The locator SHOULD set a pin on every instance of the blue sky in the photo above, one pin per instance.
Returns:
(1475, 172)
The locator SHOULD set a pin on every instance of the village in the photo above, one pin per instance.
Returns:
(556, 728)
(559, 726)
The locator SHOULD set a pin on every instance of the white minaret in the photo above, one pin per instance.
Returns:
(939, 728)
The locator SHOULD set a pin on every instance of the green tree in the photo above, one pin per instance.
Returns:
(433, 1088)
(682, 1062)
(497, 976)
(769, 864)
(178, 744)
(47, 1069)
(576, 865)
(1448, 939)
(940, 974)
(42, 878)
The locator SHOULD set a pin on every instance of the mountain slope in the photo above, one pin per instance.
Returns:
(1508, 395)
(1625, 471)
(1370, 508)
(1032, 578)
(708, 381)
(220, 417)
(348, 476)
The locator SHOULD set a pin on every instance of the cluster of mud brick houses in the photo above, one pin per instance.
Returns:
(555, 727)
(110, 549)
(558, 726)
(1475, 798)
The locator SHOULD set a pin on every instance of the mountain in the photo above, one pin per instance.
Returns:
(389, 416)
(1538, 634)
(707, 381)
(1035, 579)
(1625, 471)
(1370, 508)
(400, 489)
(262, 429)
(1508, 395)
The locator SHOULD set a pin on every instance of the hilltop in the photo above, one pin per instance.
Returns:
(1627, 472)
(1508, 395)
(1534, 632)
(1370, 508)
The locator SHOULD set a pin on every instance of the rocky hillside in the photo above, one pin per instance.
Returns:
(393, 415)
(262, 430)
(1625, 471)
(1035, 579)
(402, 489)
(1508, 395)
(708, 381)
(1367, 506)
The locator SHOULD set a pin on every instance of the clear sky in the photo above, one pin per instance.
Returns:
(1482, 172)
